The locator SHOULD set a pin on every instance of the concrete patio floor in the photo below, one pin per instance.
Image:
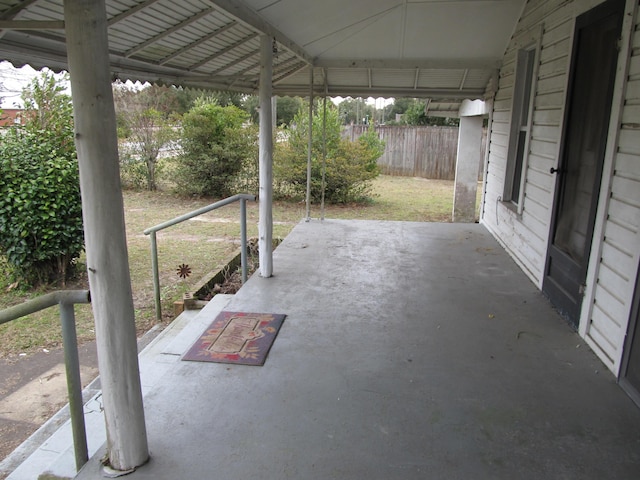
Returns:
(409, 351)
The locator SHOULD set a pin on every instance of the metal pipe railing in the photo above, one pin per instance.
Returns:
(242, 198)
(66, 299)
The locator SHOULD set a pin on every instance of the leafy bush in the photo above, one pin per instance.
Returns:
(41, 232)
(350, 166)
(215, 144)
(247, 179)
(133, 170)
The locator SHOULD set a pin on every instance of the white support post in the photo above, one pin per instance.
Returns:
(468, 162)
(265, 225)
(309, 144)
(105, 239)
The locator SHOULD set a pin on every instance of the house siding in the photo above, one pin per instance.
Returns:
(616, 245)
(617, 267)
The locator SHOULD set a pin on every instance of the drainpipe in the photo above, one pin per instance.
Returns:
(105, 240)
(265, 223)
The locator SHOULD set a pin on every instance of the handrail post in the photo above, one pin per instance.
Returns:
(242, 198)
(156, 275)
(243, 238)
(74, 383)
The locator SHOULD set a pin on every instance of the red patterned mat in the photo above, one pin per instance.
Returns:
(237, 337)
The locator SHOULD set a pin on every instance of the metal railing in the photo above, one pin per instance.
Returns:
(242, 198)
(66, 299)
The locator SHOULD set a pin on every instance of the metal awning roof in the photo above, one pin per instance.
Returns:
(445, 50)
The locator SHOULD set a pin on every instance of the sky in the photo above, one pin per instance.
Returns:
(12, 80)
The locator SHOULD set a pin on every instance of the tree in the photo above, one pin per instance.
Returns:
(215, 145)
(41, 233)
(286, 109)
(145, 118)
(416, 113)
(48, 107)
(356, 111)
(350, 166)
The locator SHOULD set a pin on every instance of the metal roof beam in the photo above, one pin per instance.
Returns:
(363, 91)
(31, 25)
(284, 65)
(289, 73)
(236, 61)
(464, 79)
(227, 49)
(127, 13)
(168, 32)
(16, 9)
(252, 18)
(206, 38)
(471, 64)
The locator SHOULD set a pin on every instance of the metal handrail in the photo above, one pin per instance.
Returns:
(66, 299)
(242, 198)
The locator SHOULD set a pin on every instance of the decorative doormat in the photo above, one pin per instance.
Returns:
(237, 337)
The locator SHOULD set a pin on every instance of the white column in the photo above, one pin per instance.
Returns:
(309, 144)
(105, 240)
(467, 167)
(265, 225)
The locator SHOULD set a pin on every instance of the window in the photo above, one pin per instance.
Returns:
(520, 126)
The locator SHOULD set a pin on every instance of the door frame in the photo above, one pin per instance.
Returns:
(633, 325)
(600, 201)
(617, 106)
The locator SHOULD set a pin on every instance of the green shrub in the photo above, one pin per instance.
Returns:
(247, 179)
(215, 144)
(349, 168)
(41, 232)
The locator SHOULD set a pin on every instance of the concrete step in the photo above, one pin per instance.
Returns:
(53, 453)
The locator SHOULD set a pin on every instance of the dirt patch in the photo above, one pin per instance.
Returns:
(33, 389)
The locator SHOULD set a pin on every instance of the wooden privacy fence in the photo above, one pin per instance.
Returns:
(428, 152)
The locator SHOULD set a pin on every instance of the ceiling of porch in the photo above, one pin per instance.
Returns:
(444, 50)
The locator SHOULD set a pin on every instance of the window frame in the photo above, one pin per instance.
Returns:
(524, 92)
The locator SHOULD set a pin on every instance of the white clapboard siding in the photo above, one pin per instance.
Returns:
(618, 267)
(525, 236)
(620, 249)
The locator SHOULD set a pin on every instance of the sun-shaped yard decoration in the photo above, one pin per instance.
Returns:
(184, 270)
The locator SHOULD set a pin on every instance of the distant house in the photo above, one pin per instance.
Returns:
(11, 116)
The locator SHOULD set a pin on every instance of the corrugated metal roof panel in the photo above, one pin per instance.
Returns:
(216, 43)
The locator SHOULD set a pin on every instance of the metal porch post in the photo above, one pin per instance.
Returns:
(103, 213)
(265, 224)
(309, 144)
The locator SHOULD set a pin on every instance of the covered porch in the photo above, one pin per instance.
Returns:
(410, 350)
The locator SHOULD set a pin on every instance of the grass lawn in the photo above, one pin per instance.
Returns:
(205, 244)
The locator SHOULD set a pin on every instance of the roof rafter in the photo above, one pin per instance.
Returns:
(127, 13)
(206, 38)
(223, 51)
(470, 63)
(168, 32)
(16, 9)
(292, 71)
(250, 67)
(249, 16)
(464, 78)
(31, 25)
(235, 61)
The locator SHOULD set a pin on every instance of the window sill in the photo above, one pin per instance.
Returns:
(511, 206)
